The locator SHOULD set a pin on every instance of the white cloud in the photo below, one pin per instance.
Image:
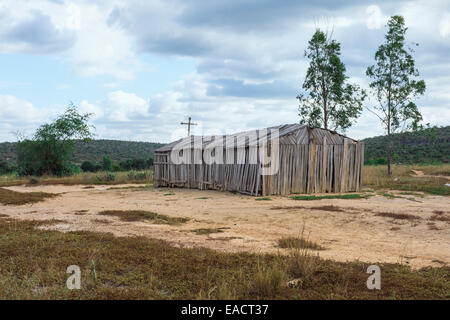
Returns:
(123, 106)
(375, 18)
(444, 26)
(249, 58)
(19, 115)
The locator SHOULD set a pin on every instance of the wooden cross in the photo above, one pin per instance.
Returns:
(189, 124)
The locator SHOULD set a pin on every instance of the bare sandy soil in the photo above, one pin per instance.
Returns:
(353, 233)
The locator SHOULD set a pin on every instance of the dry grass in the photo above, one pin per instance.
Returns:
(440, 218)
(298, 243)
(86, 178)
(33, 265)
(101, 221)
(203, 231)
(319, 208)
(10, 197)
(399, 216)
(138, 215)
(332, 196)
(403, 178)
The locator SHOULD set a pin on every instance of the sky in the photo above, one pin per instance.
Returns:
(141, 67)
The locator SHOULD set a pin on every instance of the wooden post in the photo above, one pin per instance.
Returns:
(344, 166)
(324, 165)
(312, 165)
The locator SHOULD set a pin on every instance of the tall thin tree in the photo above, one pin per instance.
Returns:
(394, 83)
(327, 99)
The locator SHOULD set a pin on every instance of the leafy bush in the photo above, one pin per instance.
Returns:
(5, 168)
(107, 177)
(133, 175)
(106, 163)
(88, 166)
(50, 150)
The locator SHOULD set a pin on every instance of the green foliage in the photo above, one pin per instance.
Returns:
(328, 100)
(50, 149)
(5, 168)
(106, 163)
(394, 83)
(427, 146)
(133, 175)
(107, 177)
(88, 166)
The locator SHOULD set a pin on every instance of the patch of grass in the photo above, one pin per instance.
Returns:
(101, 221)
(138, 215)
(320, 208)
(10, 197)
(402, 179)
(388, 195)
(81, 212)
(202, 198)
(203, 231)
(3, 215)
(336, 196)
(33, 265)
(86, 178)
(263, 199)
(148, 186)
(328, 208)
(169, 194)
(412, 194)
(440, 218)
(298, 243)
(399, 216)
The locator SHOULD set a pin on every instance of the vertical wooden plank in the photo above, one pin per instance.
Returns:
(344, 166)
(312, 167)
(324, 165)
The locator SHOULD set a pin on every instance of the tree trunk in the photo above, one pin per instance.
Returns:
(389, 119)
(389, 134)
(389, 151)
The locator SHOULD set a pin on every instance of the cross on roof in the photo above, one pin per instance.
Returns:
(189, 124)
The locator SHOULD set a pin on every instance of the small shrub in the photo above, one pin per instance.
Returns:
(298, 243)
(268, 281)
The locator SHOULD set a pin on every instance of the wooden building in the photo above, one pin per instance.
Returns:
(286, 159)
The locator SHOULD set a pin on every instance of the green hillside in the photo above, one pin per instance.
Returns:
(426, 146)
(94, 150)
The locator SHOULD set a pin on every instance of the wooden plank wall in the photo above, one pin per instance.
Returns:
(318, 167)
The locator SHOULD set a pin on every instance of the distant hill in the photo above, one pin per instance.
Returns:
(94, 150)
(427, 146)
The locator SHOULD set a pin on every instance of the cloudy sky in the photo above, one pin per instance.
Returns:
(141, 67)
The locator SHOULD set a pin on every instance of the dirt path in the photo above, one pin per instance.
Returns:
(350, 230)
(418, 173)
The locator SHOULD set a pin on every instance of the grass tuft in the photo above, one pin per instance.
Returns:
(298, 243)
(202, 231)
(399, 216)
(10, 197)
(138, 215)
(337, 196)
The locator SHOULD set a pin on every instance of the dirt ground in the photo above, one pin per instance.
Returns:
(351, 230)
